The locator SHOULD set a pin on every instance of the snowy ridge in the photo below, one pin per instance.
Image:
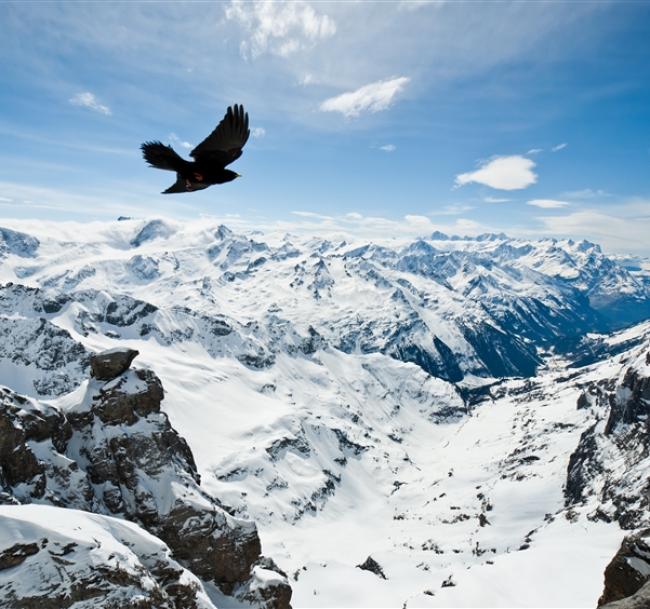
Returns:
(459, 308)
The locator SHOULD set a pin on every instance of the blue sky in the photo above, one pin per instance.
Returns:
(391, 117)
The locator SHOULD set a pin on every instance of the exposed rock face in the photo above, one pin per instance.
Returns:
(610, 463)
(107, 365)
(370, 564)
(628, 574)
(115, 453)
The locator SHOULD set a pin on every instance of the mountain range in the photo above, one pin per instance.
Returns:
(398, 422)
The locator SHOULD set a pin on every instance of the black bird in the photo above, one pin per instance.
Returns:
(220, 148)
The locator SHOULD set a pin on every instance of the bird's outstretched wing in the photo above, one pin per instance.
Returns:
(225, 143)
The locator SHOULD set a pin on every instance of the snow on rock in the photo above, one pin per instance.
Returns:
(17, 243)
(108, 448)
(55, 558)
(153, 229)
(36, 356)
(628, 575)
(608, 471)
(458, 307)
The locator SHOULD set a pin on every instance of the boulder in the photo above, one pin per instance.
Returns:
(109, 364)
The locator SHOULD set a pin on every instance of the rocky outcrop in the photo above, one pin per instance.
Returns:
(370, 564)
(114, 452)
(107, 365)
(609, 467)
(627, 577)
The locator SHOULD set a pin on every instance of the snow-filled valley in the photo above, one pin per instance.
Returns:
(456, 409)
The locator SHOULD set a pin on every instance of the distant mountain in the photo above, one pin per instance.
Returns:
(460, 308)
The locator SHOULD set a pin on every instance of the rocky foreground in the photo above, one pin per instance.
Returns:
(147, 535)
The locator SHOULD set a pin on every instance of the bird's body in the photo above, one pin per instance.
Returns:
(222, 147)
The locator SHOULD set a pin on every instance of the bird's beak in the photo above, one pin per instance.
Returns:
(238, 175)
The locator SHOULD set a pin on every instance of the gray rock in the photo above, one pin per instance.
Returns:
(109, 364)
(639, 600)
(116, 453)
(370, 564)
(628, 573)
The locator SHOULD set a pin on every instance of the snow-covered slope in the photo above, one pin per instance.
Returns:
(353, 399)
(58, 558)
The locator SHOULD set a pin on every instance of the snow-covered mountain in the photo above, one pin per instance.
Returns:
(464, 412)
(459, 308)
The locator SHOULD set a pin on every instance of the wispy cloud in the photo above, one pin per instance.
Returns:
(374, 97)
(452, 210)
(623, 227)
(502, 173)
(547, 203)
(354, 225)
(279, 28)
(534, 151)
(496, 199)
(174, 139)
(258, 132)
(414, 5)
(559, 147)
(585, 193)
(86, 99)
(388, 148)
(311, 214)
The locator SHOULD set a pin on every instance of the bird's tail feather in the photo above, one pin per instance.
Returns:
(161, 156)
(178, 186)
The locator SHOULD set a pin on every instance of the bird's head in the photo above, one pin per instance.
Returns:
(231, 175)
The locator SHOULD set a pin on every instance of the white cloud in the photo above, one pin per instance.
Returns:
(534, 151)
(174, 139)
(417, 220)
(374, 97)
(469, 226)
(559, 147)
(258, 132)
(353, 215)
(502, 173)
(623, 228)
(496, 199)
(547, 203)
(388, 147)
(311, 214)
(86, 99)
(279, 28)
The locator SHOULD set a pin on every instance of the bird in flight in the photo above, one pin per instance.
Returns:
(222, 147)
